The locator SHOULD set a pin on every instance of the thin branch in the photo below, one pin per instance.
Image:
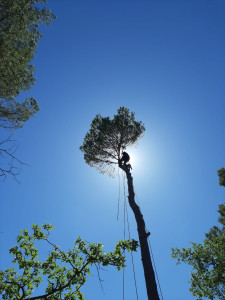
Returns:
(10, 164)
(63, 254)
(105, 161)
(99, 278)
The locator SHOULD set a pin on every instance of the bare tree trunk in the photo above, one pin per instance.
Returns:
(143, 239)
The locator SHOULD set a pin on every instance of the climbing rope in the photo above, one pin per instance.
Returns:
(124, 231)
(118, 207)
(128, 227)
(132, 258)
(155, 268)
(126, 219)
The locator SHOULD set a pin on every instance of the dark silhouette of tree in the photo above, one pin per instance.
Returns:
(106, 139)
(103, 146)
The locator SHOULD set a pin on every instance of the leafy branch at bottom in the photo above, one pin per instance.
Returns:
(63, 273)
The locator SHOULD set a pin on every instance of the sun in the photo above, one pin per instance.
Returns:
(139, 159)
(135, 157)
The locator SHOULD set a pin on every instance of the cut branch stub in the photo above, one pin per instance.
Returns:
(106, 139)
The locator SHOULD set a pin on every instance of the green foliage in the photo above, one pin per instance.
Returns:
(207, 261)
(14, 114)
(221, 174)
(216, 231)
(63, 273)
(107, 138)
(19, 35)
(208, 264)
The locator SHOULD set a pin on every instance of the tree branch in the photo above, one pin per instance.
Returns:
(55, 290)
(99, 278)
(20, 287)
(10, 164)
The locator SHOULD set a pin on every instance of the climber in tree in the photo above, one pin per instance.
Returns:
(125, 159)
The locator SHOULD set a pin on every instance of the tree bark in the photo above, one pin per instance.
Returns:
(149, 274)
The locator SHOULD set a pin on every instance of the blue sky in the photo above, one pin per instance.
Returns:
(165, 61)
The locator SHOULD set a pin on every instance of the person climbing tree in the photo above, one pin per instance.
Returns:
(102, 147)
(125, 159)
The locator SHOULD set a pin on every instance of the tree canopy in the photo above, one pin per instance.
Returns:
(63, 273)
(107, 138)
(19, 35)
(207, 261)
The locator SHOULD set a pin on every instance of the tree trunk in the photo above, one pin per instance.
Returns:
(143, 239)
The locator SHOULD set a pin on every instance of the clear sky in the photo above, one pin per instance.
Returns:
(164, 60)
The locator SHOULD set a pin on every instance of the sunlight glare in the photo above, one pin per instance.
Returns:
(143, 159)
(136, 158)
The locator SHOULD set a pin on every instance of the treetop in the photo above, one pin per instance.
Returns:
(107, 138)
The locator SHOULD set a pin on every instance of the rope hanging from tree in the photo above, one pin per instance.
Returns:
(118, 206)
(128, 227)
(124, 234)
(155, 267)
(126, 219)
